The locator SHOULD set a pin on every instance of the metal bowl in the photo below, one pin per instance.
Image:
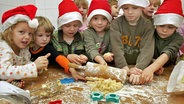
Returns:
(13, 98)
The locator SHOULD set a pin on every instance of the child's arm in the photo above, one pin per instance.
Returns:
(100, 60)
(63, 62)
(116, 43)
(148, 73)
(108, 57)
(9, 69)
(146, 47)
(76, 75)
(90, 45)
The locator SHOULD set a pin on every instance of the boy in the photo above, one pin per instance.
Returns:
(68, 41)
(167, 40)
(132, 37)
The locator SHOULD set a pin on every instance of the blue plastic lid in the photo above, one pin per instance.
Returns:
(67, 80)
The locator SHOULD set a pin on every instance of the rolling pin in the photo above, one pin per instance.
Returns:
(102, 71)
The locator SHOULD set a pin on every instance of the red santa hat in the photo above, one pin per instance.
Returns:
(20, 13)
(141, 3)
(101, 7)
(170, 12)
(68, 12)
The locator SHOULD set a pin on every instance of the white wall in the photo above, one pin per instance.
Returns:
(48, 8)
(8, 4)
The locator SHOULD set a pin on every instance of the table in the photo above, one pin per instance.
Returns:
(79, 92)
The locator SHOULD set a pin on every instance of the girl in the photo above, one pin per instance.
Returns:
(42, 45)
(114, 8)
(83, 8)
(18, 27)
(96, 36)
(151, 9)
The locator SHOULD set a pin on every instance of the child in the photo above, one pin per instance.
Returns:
(42, 46)
(114, 8)
(83, 8)
(96, 36)
(18, 26)
(151, 9)
(68, 41)
(167, 40)
(181, 31)
(132, 37)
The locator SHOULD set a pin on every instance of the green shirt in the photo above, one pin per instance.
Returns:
(169, 45)
(76, 47)
(132, 45)
(96, 45)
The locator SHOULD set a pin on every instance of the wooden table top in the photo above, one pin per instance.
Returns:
(79, 93)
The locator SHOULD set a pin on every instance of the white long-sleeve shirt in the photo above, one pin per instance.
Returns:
(14, 66)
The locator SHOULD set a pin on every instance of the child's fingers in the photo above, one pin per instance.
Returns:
(47, 55)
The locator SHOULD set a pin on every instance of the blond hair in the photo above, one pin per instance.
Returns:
(7, 35)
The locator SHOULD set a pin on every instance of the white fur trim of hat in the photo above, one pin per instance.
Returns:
(101, 12)
(141, 3)
(69, 17)
(16, 18)
(169, 18)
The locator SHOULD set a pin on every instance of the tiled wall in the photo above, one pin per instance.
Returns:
(48, 8)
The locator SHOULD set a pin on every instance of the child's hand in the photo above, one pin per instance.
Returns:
(135, 70)
(83, 59)
(146, 76)
(74, 58)
(134, 79)
(108, 56)
(76, 75)
(42, 62)
(160, 71)
(99, 59)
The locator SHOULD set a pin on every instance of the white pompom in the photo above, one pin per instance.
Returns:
(33, 23)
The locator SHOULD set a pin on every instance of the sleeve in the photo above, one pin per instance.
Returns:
(116, 45)
(63, 62)
(55, 43)
(9, 70)
(173, 48)
(146, 47)
(90, 46)
(60, 59)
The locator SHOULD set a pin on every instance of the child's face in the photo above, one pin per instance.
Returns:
(99, 23)
(70, 29)
(42, 38)
(114, 10)
(132, 13)
(149, 11)
(83, 10)
(165, 31)
(22, 35)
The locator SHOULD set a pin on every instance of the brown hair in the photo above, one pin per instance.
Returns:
(113, 2)
(45, 22)
(84, 3)
(157, 2)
